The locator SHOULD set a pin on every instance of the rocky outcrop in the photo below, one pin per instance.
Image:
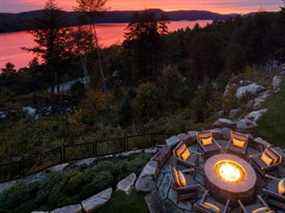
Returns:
(258, 101)
(223, 122)
(93, 203)
(252, 89)
(246, 124)
(256, 115)
(126, 185)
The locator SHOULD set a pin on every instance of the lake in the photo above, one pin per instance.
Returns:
(11, 44)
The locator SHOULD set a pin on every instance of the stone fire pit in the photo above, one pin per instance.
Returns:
(230, 177)
(225, 176)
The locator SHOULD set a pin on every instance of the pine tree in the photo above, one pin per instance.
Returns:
(143, 40)
(53, 43)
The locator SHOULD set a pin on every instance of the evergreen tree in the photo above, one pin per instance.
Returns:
(53, 42)
(143, 41)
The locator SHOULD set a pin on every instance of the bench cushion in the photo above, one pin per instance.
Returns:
(266, 159)
(281, 187)
(207, 141)
(239, 143)
(210, 206)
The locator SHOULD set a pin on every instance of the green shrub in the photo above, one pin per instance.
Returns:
(272, 125)
(65, 189)
(101, 180)
(19, 197)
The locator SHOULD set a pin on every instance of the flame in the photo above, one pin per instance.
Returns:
(229, 171)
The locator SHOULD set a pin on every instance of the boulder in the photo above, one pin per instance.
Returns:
(245, 124)
(221, 133)
(3, 115)
(58, 168)
(251, 89)
(261, 99)
(133, 152)
(69, 209)
(276, 82)
(151, 150)
(149, 169)
(30, 112)
(172, 141)
(145, 182)
(93, 203)
(256, 115)
(85, 162)
(39, 212)
(262, 142)
(126, 185)
(223, 122)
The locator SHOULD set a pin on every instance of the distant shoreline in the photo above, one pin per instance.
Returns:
(10, 23)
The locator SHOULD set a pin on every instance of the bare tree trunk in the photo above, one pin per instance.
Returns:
(83, 60)
(98, 52)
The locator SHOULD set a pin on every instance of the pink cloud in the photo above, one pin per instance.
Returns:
(223, 6)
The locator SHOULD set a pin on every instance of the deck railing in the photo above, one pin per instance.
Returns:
(66, 153)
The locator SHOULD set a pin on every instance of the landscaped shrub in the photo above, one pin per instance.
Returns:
(19, 197)
(71, 187)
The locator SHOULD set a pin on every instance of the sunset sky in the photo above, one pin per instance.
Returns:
(222, 6)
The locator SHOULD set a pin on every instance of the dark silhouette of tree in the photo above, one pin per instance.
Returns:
(53, 42)
(143, 41)
(9, 69)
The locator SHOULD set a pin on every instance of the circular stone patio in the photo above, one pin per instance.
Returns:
(169, 198)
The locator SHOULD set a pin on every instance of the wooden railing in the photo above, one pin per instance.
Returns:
(66, 153)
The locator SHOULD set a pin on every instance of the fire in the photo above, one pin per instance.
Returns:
(229, 171)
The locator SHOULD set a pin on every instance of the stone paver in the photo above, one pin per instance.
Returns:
(154, 203)
(69, 209)
(96, 201)
(58, 168)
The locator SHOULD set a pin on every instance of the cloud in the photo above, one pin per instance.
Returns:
(223, 6)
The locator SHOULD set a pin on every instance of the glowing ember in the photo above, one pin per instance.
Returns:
(229, 171)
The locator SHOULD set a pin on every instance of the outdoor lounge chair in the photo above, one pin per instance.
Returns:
(209, 205)
(238, 143)
(275, 192)
(207, 143)
(259, 207)
(183, 186)
(184, 156)
(267, 161)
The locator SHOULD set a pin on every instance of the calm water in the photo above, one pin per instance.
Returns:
(11, 44)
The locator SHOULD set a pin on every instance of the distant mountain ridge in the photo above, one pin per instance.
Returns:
(10, 22)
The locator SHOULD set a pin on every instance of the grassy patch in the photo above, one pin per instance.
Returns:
(122, 203)
(272, 124)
